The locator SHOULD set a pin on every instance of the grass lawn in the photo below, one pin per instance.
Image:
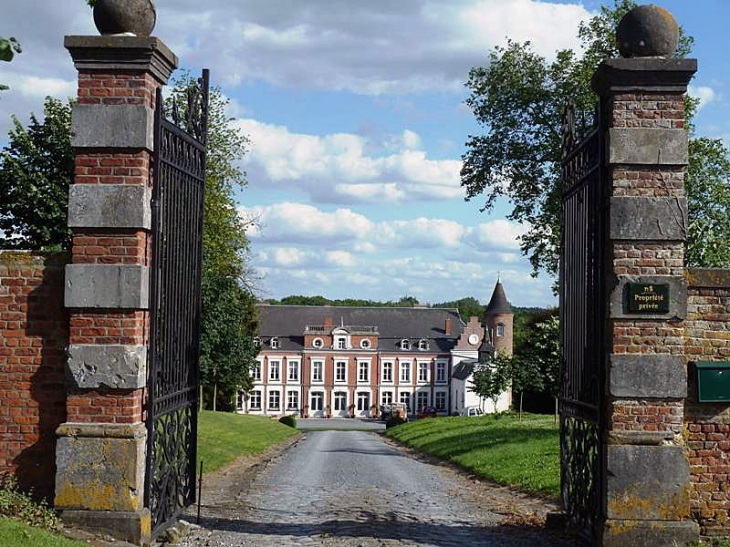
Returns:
(523, 454)
(14, 533)
(223, 437)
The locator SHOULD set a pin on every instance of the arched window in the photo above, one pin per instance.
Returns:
(405, 344)
(274, 343)
(423, 345)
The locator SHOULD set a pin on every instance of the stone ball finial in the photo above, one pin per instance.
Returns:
(137, 17)
(647, 31)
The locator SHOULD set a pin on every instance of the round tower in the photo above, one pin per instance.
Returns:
(499, 321)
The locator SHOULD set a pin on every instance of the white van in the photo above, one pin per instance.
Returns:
(472, 411)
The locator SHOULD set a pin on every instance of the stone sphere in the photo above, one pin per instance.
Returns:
(125, 17)
(647, 31)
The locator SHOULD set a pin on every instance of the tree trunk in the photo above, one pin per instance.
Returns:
(215, 397)
(519, 419)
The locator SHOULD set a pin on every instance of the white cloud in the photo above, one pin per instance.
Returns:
(337, 168)
(497, 234)
(421, 233)
(705, 94)
(342, 259)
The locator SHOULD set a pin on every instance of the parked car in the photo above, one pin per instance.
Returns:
(472, 411)
(427, 412)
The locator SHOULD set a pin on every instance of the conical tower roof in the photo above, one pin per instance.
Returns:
(499, 302)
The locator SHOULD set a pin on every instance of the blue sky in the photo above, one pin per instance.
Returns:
(356, 118)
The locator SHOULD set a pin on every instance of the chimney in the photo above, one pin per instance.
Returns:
(447, 326)
(328, 323)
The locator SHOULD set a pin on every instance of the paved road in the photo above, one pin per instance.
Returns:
(351, 488)
(311, 424)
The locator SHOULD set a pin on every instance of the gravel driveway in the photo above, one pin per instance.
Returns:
(352, 488)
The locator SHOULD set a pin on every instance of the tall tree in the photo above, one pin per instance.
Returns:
(36, 169)
(490, 380)
(228, 323)
(542, 351)
(519, 99)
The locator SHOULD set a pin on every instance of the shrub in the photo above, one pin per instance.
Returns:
(394, 421)
(18, 505)
(290, 420)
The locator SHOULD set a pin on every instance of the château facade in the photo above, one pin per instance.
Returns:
(342, 361)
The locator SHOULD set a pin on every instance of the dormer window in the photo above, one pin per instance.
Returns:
(500, 329)
(274, 343)
(318, 343)
(257, 341)
(405, 344)
(341, 342)
(423, 345)
(365, 343)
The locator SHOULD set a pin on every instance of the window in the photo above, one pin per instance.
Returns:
(405, 399)
(292, 400)
(317, 400)
(421, 399)
(341, 371)
(317, 367)
(257, 371)
(317, 343)
(255, 400)
(362, 372)
(405, 372)
(340, 401)
(440, 400)
(500, 329)
(274, 374)
(387, 397)
(363, 401)
(293, 371)
(440, 372)
(341, 343)
(274, 400)
(257, 341)
(274, 343)
(423, 345)
(387, 372)
(365, 343)
(423, 372)
(405, 344)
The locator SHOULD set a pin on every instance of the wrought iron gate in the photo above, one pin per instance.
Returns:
(582, 319)
(177, 219)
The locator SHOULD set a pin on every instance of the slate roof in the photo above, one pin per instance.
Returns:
(394, 324)
(499, 302)
(463, 370)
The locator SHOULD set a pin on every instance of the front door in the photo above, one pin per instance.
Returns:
(340, 406)
(363, 403)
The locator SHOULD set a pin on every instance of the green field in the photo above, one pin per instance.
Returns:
(223, 437)
(523, 454)
(14, 533)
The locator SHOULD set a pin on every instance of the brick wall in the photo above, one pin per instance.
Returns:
(33, 337)
(707, 425)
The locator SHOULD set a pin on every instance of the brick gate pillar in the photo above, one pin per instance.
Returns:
(101, 449)
(646, 498)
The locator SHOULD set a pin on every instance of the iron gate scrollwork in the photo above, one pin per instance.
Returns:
(582, 319)
(177, 225)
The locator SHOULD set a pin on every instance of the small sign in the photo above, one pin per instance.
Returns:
(648, 297)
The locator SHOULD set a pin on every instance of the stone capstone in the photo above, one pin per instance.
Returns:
(113, 366)
(109, 206)
(647, 483)
(112, 126)
(648, 218)
(647, 31)
(643, 74)
(100, 467)
(647, 376)
(618, 296)
(647, 146)
(107, 286)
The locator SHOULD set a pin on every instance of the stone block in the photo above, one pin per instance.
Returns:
(107, 286)
(113, 366)
(131, 526)
(647, 483)
(100, 467)
(647, 376)
(649, 533)
(618, 295)
(647, 146)
(112, 126)
(648, 219)
(109, 206)
(643, 74)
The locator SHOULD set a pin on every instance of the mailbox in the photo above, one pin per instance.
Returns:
(713, 381)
